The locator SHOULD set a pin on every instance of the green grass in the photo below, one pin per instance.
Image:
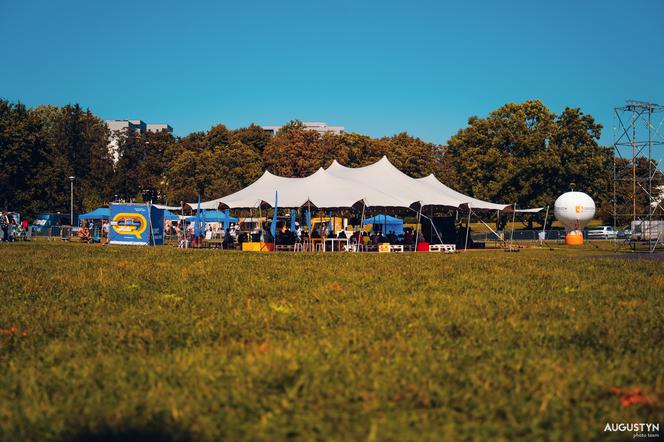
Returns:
(206, 345)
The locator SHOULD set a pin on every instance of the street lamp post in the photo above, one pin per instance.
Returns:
(71, 200)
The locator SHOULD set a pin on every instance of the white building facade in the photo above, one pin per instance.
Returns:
(317, 126)
(120, 127)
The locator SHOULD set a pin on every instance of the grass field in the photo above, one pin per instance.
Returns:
(105, 343)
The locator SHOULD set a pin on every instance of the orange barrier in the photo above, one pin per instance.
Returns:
(257, 246)
(574, 238)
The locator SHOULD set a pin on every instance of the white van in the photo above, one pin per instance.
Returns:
(602, 232)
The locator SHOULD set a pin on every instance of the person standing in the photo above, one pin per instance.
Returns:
(4, 224)
(13, 229)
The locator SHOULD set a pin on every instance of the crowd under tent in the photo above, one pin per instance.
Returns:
(378, 186)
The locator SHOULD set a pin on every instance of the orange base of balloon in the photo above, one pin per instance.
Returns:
(574, 238)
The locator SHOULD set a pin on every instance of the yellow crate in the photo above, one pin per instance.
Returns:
(257, 246)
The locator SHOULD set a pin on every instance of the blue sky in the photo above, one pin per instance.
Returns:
(376, 67)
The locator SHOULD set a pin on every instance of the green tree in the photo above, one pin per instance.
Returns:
(240, 165)
(413, 156)
(46, 145)
(526, 154)
(252, 136)
(294, 152)
(21, 153)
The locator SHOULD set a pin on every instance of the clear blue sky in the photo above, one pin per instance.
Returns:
(376, 67)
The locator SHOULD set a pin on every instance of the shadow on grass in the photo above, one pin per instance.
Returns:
(151, 432)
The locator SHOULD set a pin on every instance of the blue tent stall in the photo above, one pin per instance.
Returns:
(386, 223)
(170, 216)
(136, 224)
(215, 216)
(101, 213)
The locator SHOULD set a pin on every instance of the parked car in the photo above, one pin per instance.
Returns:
(624, 233)
(602, 232)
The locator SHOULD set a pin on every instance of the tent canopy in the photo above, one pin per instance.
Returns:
(378, 185)
(214, 216)
(170, 216)
(164, 207)
(100, 213)
(387, 223)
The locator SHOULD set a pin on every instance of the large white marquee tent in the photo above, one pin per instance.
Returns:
(378, 185)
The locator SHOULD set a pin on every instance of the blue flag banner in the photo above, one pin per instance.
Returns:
(329, 223)
(203, 223)
(197, 220)
(273, 227)
(136, 224)
(308, 218)
(292, 220)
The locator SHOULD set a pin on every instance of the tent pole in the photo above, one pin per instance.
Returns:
(432, 225)
(465, 248)
(513, 221)
(251, 215)
(184, 226)
(544, 227)
(545, 219)
(362, 217)
(260, 222)
(489, 227)
(360, 242)
(150, 222)
(417, 227)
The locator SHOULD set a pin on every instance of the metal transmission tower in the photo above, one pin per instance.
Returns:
(638, 178)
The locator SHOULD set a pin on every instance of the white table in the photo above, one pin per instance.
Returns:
(447, 248)
(332, 241)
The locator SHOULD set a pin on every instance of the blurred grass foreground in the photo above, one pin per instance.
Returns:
(103, 343)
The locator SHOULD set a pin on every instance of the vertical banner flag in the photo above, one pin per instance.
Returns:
(203, 223)
(273, 227)
(292, 220)
(197, 220)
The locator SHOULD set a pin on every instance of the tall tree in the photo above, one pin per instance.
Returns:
(294, 152)
(526, 154)
(252, 136)
(20, 152)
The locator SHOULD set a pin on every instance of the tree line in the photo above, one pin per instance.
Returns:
(520, 153)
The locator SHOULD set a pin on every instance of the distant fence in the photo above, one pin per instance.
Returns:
(521, 235)
(53, 232)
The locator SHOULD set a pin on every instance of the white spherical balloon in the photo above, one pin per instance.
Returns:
(574, 209)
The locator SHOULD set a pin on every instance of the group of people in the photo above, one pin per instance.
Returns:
(285, 236)
(185, 235)
(12, 230)
(88, 231)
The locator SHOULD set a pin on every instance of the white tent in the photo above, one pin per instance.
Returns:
(164, 207)
(377, 185)
(474, 203)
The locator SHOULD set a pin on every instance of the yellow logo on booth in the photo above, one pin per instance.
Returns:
(579, 209)
(129, 224)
